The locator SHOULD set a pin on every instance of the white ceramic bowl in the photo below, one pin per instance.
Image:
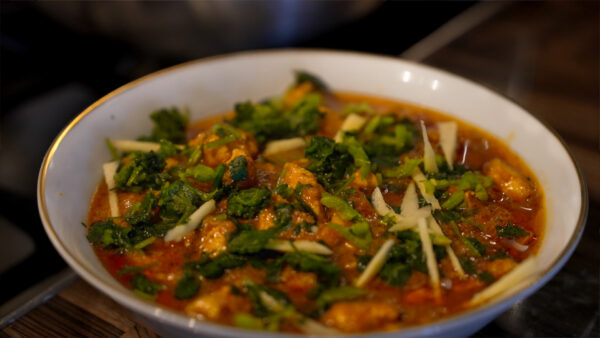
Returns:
(72, 166)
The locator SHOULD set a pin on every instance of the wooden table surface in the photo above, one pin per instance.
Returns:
(545, 57)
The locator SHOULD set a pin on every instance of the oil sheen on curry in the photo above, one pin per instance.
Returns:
(316, 212)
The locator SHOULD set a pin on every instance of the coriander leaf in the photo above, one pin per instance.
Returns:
(247, 203)
(177, 201)
(283, 215)
(109, 234)
(477, 245)
(329, 161)
(144, 286)
(486, 277)
(264, 121)
(511, 231)
(283, 190)
(238, 169)
(134, 269)
(169, 124)
(304, 117)
(468, 265)
(390, 138)
(303, 76)
(250, 241)
(140, 171)
(167, 149)
(327, 271)
(187, 286)
(214, 268)
(140, 213)
(396, 274)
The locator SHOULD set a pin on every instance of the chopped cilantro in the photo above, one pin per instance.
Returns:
(187, 286)
(247, 203)
(250, 241)
(144, 286)
(395, 273)
(238, 169)
(475, 243)
(169, 124)
(140, 171)
(177, 201)
(511, 231)
(329, 161)
(486, 277)
(325, 269)
(214, 268)
(303, 76)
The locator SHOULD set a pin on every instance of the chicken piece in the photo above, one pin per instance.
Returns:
(217, 155)
(212, 238)
(360, 316)
(511, 182)
(296, 281)
(127, 200)
(311, 194)
(250, 169)
(368, 182)
(218, 305)
(500, 267)
(297, 93)
(266, 219)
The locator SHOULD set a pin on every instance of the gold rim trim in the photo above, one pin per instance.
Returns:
(556, 264)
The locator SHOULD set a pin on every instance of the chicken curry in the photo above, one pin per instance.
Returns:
(316, 212)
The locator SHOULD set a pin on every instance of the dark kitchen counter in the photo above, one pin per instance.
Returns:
(544, 56)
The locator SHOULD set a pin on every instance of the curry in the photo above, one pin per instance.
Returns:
(316, 212)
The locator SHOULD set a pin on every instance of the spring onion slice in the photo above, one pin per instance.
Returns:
(352, 122)
(519, 274)
(448, 139)
(298, 245)
(110, 169)
(280, 146)
(375, 264)
(428, 153)
(177, 233)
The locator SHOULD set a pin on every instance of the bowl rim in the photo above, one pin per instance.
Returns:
(177, 319)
